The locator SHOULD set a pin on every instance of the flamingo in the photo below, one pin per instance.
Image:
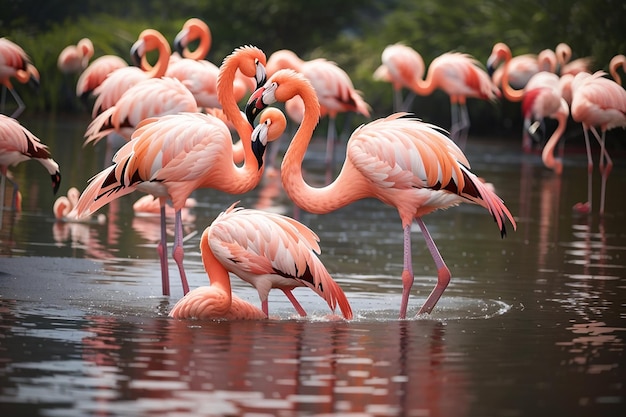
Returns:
(267, 250)
(542, 79)
(401, 161)
(14, 62)
(522, 67)
(173, 155)
(543, 102)
(64, 205)
(75, 58)
(402, 66)
(18, 144)
(597, 101)
(564, 54)
(460, 76)
(617, 62)
(193, 30)
(153, 97)
(333, 86)
(120, 80)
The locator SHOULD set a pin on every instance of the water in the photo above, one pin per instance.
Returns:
(530, 325)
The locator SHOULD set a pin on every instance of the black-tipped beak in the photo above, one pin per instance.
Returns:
(56, 181)
(491, 68)
(255, 105)
(178, 43)
(134, 55)
(259, 150)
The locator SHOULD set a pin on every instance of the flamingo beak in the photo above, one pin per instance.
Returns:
(56, 181)
(491, 65)
(255, 105)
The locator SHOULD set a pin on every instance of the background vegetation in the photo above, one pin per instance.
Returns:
(352, 33)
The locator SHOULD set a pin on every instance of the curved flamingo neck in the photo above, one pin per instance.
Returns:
(547, 155)
(509, 92)
(226, 97)
(312, 199)
(218, 275)
(204, 46)
(425, 87)
(159, 69)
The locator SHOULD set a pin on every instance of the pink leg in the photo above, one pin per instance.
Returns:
(178, 252)
(265, 307)
(162, 250)
(407, 272)
(605, 170)
(443, 273)
(586, 207)
(295, 302)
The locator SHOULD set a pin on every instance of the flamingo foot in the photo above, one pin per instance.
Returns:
(582, 208)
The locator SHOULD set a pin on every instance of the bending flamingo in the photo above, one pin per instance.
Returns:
(173, 155)
(268, 251)
(597, 102)
(399, 160)
(18, 144)
(14, 62)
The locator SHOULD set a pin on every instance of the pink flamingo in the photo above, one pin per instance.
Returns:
(403, 67)
(64, 205)
(268, 251)
(461, 77)
(521, 68)
(333, 86)
(120, 80)
(154, 97)
(18, 144)
(538, 104)
(597, 101)
(173, 155)
(15, 63)
(403, 162)
(75, 58)
(542, 79)
(564, 55)
(193, 30)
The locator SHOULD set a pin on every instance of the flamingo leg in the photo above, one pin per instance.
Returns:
(295, 302)
(330, 147)
(454, 117)
(265, 307)
(464, 125)
(605, 170)
(20, 104)
(443, 273)
(162, 250)
(407, 272)
(408, 101)
(178, 251)
(589, 170)
(397, 99)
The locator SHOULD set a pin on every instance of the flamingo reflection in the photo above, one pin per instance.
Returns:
(246, 367)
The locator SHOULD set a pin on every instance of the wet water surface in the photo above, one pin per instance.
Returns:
(532, 324)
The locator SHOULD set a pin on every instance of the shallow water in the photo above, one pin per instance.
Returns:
(532, 324)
